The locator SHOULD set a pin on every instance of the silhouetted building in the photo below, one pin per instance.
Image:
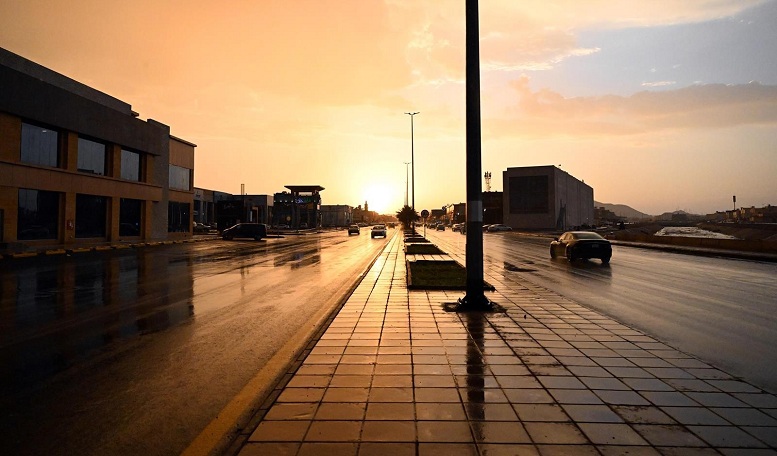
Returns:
(243, 209)
(546, 198)
(493, 204)
(79, 167)
(336, 215)
(299, 207)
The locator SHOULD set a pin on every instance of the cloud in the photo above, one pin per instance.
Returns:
(711, 106)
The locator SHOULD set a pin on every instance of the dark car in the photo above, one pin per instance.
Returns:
(353, 229)
(255, 231)
(581, 245)
(440, 227)
(378, 230)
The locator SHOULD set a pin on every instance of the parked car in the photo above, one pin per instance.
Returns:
(440, 227)
(353, 229)
(498, 227)
(255, 231)
(581, 245)
(201, 228)
(457, 227)
(378, 230)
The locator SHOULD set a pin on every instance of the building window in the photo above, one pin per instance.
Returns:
(38, 215)
(91, 157)
(130, 211)
(178, 215)
(39, 145)
(130, 165)
(180, 178)
(90, 216)
(529, 195)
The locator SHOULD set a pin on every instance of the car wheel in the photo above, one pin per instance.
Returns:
(257, 238)
(552, 253)
(571, 255)
(606, 260)
(227, 238)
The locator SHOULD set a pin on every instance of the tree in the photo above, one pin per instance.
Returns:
(407, 216)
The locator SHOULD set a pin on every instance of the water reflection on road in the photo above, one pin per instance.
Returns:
(101, 298)
(135, 351)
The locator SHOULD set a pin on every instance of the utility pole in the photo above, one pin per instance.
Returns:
(474, 299)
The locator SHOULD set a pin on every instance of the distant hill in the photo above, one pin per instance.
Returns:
(621, 210)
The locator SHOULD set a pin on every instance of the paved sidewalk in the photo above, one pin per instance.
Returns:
(395, 374)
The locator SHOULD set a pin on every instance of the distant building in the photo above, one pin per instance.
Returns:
(299, 207)
(546, 198)
(456, 213)
(77, 166)
(336, 215)
(244, 209)
(493, 207)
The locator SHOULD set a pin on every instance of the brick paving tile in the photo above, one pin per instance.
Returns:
(395, 373)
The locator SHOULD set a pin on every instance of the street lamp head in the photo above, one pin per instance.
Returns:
(412, 113)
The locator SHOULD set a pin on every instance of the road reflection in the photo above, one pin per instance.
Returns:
(56, 311)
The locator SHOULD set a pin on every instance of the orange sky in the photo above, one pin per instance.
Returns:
(660, 105)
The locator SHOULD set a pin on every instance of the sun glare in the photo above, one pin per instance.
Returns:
(380, 199)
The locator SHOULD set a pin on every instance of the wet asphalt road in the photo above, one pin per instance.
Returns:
(135, 351)
(720, 310)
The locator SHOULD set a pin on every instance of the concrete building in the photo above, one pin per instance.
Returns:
(336, 215)
(546, 198)
(78, 166)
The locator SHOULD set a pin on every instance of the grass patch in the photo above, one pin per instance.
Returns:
(422, 249)
(438, 275)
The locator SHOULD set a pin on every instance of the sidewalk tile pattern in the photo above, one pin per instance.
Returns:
(395, 374)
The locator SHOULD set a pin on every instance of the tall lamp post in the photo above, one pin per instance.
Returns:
(474, 299)
(412, 154)
(407, 182)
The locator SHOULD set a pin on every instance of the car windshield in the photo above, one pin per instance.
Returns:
(587, 236)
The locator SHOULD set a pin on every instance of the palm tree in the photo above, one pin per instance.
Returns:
(407, 216)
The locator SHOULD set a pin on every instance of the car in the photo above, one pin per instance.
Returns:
(201, 228)
(255, 231)
(457, 227)
(498, 227)
(440, 227)
(353, 229)
(378, 230)
(581, 245)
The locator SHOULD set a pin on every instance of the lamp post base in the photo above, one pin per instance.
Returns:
(476, 304)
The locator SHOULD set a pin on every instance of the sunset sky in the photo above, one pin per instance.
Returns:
(661, 105)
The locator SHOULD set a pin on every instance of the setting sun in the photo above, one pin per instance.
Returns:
(383, 199)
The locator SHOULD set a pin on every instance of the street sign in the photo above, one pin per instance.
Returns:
(424, 213)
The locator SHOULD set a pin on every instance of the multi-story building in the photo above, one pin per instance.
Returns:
(78, 166)
(546, 198)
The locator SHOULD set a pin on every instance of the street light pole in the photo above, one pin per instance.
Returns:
(407, 181)
(412, 154)
(474, 299)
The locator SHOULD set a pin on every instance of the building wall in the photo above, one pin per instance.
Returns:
(545, 198)
(35, 95)
(336, 215)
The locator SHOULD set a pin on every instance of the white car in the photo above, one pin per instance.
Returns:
(498, 227)
(378, 230)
